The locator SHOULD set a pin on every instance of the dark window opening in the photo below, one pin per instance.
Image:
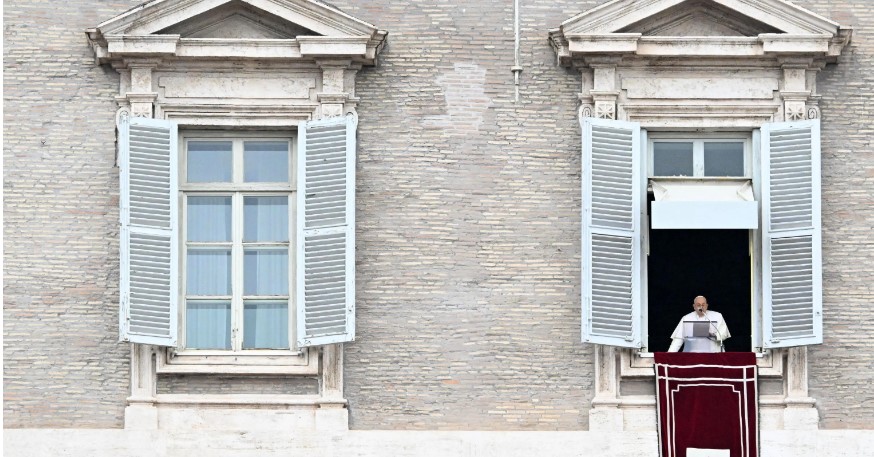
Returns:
(685, 263)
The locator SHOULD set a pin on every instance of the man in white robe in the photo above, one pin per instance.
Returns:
(718, 329)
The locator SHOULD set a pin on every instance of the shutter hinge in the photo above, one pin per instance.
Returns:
(125, 323)
(125, 303)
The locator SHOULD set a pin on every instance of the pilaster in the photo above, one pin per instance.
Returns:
(605, 90)
(338, 87)
(605, 414)
(141, 412)
(800, 413)
(136, 89)
(332, 413)
(795, 90)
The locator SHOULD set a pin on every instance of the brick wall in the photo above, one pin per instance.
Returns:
(841, 370)
(468, 223)
(63, 365)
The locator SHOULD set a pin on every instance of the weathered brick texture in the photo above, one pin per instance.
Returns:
(227, 384)
(841, 370)
(468, 223)
(63, 364)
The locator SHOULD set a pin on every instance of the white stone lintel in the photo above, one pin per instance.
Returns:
(611, 43)
(239, 48)
(361, 49)
(800, 44)
(333, 46)
(142, 44)
(763, 46)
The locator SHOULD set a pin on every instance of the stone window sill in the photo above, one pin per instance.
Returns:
(303, 362)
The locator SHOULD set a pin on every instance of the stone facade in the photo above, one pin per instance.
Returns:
(468, 256)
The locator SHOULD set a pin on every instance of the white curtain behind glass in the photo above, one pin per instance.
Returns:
(209, 218)
(208, 324)
(266, 325)
(266, 219)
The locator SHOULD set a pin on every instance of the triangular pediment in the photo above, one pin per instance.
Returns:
(699, 18)
(690, 29)
(251, 29)
(172, 16)
(237, 19)
(734, 17)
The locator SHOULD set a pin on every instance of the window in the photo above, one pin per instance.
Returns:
(263, 238)
(720, 156)
(237, 193)
(785, 247)
(684, 262)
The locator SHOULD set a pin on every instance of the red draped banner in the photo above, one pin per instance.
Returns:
(707, 401)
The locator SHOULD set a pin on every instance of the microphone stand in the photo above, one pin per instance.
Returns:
(719, 340)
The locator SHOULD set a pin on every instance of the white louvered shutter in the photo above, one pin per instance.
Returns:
(611, 245)
(791, 234)
(326, 231)
(149, 230)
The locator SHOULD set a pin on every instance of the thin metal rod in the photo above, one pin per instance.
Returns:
(517, 68)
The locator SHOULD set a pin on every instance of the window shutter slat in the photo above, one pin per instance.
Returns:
(326, 232)
(148, 159)
(791, 234)
(611, 265)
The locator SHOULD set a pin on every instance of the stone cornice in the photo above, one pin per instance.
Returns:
(573, 47)
(597, 32)
(362, 50)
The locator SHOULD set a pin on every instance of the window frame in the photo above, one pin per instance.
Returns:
(751, 156)
(698, 139)
(236, 360)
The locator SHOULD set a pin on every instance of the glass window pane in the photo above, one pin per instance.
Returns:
(209, 219)
(265, 272)
(207, 324)
(672, 158)
(265, 324)
(210, 161)
(724, 159)
(265, 161)
(265, 218)
(208, 272)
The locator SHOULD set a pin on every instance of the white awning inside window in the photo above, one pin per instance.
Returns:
(701, 204)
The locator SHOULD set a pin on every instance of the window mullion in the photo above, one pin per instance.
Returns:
(237, 288)
(183, 267)
(698, 158)
(292, 264)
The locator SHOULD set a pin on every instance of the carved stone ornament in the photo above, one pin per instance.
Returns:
(813, 112)
(586, 111)
(141, 110)
(605, 110)
(795, 111)
(122, 115)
